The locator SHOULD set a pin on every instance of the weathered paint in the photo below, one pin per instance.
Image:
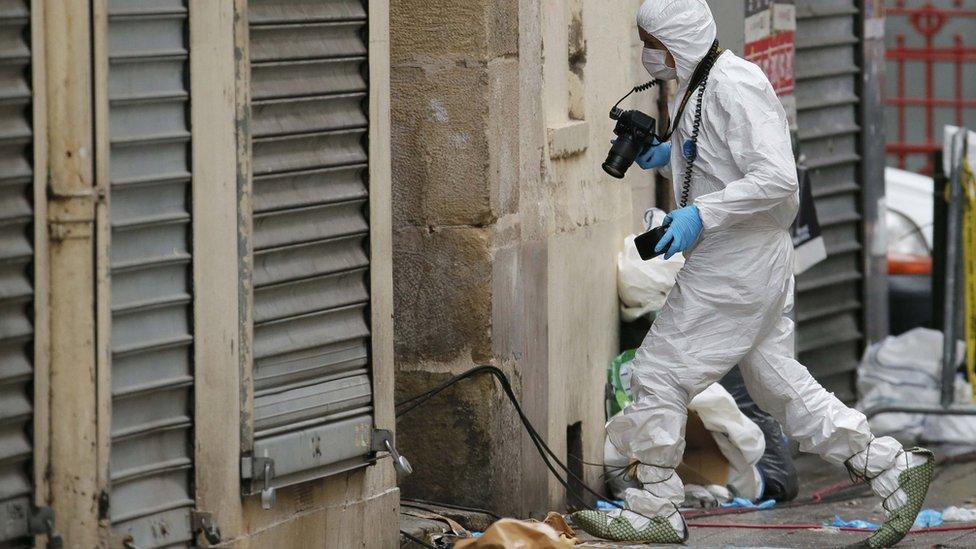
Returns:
(70, 217)
(215, 199)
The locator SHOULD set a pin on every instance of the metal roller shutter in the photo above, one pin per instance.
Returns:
(312, 391)
(829, 296)
(16, 274)
(151, 296)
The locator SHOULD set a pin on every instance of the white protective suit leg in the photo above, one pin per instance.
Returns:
(651, 430)
(701, 332)
(816, 419)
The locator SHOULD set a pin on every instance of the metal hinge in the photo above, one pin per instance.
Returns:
(202, 522)
(41, 523)
(383, 442)
(260, 469)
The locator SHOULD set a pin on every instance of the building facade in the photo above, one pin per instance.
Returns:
(506, 230)
(233, 233)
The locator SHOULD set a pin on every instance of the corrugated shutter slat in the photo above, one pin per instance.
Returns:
(16, 279)
(313, 394)
(151, 468)
(829, 306)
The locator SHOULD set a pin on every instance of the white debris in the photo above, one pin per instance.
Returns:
(959, 514)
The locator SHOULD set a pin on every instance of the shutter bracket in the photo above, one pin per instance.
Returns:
(261, 469)
(383, 442)
(202, 522)
(41, 523)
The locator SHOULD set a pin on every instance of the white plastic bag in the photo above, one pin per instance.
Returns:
(713, 495)
(907, 369)
(643, 285)
(738, 437)
(959, 514)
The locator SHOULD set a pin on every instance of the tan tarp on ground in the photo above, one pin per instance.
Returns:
(509, 533)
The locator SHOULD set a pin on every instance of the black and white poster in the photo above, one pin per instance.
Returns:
(807, 240)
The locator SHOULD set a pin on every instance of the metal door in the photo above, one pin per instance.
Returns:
(829, 308)
(312, 412)
(16, 274)
(151, 260)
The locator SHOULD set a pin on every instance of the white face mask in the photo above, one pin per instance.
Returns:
(654, 63)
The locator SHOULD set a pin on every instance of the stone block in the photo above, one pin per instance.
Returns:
(442, 294)
(440, 145)
(463, 443)
(503, 136)
(475, 30)
(503, 34)
(438, 29)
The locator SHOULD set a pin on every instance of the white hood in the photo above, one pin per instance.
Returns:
(685, 27)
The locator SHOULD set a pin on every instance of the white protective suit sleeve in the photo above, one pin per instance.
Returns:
(751, 119)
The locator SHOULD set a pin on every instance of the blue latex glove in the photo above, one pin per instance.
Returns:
(657, 155)
(684, 225)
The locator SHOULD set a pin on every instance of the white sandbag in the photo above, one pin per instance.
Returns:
(953, 429)
(907, 369)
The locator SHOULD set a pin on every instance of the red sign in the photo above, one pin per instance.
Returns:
(774, 54)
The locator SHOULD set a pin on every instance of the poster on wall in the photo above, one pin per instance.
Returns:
(770, 27)
(807, 238)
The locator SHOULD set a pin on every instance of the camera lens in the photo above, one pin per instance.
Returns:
(616, 166)
(621, 156)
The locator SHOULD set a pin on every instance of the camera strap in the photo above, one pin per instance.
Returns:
(697, 79)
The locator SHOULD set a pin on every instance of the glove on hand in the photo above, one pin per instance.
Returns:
(684, 225)
(656, 156)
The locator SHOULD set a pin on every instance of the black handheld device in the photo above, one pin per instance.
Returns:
(635, 133)
(646, 242)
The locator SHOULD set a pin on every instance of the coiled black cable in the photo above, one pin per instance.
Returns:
(636, 89)
(690, 162)
(709, 61)
(646, 86)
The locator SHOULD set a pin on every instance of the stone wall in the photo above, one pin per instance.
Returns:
(506, 232)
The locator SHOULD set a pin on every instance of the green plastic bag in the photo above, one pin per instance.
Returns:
(618, 383)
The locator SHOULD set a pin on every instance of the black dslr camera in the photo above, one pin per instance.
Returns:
(635, 133)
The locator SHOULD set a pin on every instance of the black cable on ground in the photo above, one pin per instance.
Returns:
(449, 506)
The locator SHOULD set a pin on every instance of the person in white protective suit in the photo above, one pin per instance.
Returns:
(730, 301)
